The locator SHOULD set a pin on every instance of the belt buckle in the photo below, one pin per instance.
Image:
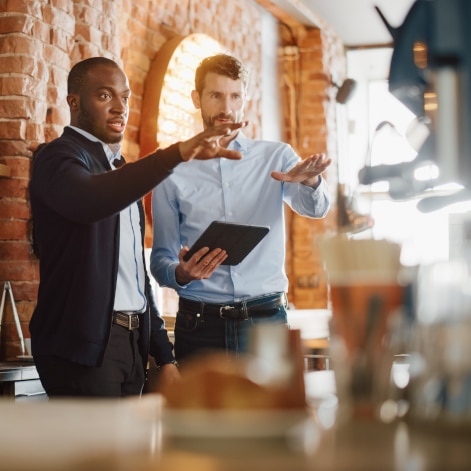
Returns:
(133, 322)
(223, 309)
(244, 309)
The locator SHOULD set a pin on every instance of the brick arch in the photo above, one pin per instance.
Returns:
(156, 94)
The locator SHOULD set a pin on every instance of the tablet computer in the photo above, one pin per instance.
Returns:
(238, 240)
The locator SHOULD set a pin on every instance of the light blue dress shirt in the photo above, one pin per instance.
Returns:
(199, 192)
(130, 284)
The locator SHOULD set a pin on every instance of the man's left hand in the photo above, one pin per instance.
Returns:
(306, 172)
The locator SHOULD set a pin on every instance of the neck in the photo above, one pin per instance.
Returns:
(115, 147)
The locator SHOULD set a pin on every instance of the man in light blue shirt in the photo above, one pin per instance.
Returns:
(218, 303)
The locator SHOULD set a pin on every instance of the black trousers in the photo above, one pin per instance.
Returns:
(121, 373)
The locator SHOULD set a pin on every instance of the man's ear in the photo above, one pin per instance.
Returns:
(73, 102)
(195, 97)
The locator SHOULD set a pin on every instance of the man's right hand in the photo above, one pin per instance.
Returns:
(206, 145)
(200, 266)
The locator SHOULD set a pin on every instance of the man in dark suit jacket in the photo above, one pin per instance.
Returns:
(96, 321)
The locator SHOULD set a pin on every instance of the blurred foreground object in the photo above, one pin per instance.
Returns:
(440, 361)
(270, 377)
(258, 395)
(365, 293)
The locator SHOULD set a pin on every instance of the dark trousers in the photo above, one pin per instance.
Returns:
(121, 373)
(197, 333)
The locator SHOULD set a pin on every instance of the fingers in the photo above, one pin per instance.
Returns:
(230, 154)
(316, 160)
(206, 145)
(224, 130)
(208, 264)
(280, 176)
(201, 265)
(305, 171)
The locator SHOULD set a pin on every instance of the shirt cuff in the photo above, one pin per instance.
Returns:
(172, 268)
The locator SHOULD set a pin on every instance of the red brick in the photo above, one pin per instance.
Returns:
(64, 5)
(34, 131)
(20, 64)
(12, 129)
(18, 107)
(58, 115)
(28, 291)
(19, 166)
(13, 188)
(87, 32)
(61, 39)
(58, 77)
(85, 50)
(21, 6)
(13, 229)
(21, 86)
(106, 25)
(134, 118)
(57, 56)
(60, 18)
(15, 250)
(87, 15)
(18, 270)
(52, 132)
(15, 24)
(13, 148)
(16, 44)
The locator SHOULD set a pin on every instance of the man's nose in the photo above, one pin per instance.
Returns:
(226, 105)
(119, 106)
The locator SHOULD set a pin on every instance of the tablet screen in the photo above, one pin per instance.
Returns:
(238, 240)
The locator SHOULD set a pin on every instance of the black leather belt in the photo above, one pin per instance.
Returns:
(130, 321)
(255, 307)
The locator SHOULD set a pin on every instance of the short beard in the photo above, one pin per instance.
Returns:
(209, 121)
(85, 122)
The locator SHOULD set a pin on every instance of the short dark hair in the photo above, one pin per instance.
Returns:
(78, 73)
(221, 64)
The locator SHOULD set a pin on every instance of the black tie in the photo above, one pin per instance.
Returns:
(118, 162)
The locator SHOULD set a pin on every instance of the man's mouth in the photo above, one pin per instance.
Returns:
(117, 126)
(223, 120)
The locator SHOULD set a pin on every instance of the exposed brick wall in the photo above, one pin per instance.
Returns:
(41, 39)
(310, 61)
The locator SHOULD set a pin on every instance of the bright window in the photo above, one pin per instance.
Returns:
(380, 133)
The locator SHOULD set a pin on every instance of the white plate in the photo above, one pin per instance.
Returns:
(25, 357)
(233, 423)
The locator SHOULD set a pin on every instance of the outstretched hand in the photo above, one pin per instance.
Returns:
(206, 145)
(306, 172)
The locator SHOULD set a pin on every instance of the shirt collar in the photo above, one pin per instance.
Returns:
(109, 153)
(239, 142)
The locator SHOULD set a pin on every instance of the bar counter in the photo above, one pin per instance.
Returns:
(142, 434)
(139, 434)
